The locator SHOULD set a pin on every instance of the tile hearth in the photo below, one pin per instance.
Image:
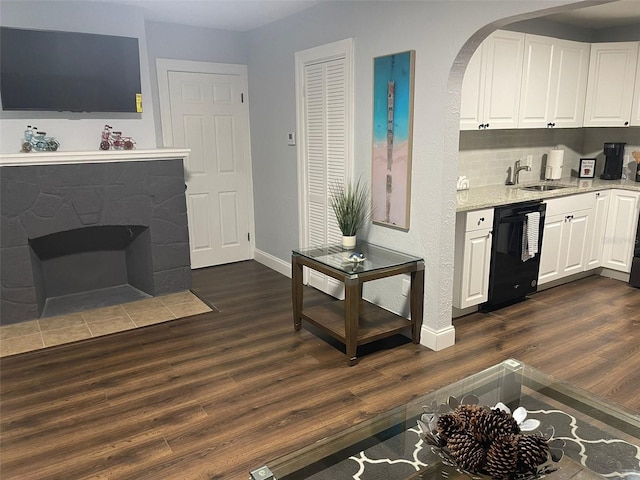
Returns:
(47, 332)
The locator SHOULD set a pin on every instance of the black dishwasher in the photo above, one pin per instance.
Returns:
(515, 255)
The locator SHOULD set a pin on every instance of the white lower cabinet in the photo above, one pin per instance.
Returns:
(563, 245)
(586, 231)
(564, 238)
(595, 235)
(619, 237)
(472, 257)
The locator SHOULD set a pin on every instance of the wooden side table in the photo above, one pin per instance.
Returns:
(354, 321)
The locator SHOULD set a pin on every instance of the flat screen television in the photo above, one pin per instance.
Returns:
(68, 71)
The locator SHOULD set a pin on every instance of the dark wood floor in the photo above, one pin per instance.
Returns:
(214, 395)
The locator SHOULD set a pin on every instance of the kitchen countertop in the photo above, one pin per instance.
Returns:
(496, 195)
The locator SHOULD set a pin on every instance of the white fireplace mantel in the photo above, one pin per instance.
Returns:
(96, 156)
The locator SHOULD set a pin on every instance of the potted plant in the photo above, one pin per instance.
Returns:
(350, 203)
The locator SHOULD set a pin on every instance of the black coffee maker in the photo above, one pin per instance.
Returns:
(613, 161)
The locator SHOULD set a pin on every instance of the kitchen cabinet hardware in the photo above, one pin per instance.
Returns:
(626, 124)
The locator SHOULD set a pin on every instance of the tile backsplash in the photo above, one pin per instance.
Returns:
(485, 156)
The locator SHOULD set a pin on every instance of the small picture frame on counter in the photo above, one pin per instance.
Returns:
(587, 168)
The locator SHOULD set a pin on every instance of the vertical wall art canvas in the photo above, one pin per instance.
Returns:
(392, 138)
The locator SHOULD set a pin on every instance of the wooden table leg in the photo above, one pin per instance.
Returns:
(352, 294)
(296, 292)
(417, 302)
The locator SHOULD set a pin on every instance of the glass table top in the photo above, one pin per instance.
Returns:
(600, 438)
(373, 257)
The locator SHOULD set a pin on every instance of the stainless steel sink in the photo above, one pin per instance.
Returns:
(543, 188)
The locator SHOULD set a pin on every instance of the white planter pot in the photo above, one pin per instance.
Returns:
(349, 241)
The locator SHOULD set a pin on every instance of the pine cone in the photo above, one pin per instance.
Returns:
(502, 457)
(532, 451)
(466, 412)
(494, 425)
(468, 454)
(448, 424)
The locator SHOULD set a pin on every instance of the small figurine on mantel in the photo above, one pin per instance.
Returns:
(38, 141)
(111, 140)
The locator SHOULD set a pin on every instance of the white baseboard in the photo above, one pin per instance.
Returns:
(274, 263)
(438, 340)
(435, 340)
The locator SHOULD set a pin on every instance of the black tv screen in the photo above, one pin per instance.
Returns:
(68, 71)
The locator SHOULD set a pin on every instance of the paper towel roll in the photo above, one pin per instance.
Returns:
(554, 164)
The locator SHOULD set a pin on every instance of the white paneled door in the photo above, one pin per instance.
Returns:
(209, 116)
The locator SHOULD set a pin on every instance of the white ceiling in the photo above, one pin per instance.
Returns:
(244, 15)
(616, 14)
(238, 15)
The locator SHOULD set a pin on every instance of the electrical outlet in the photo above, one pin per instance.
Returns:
(530, 160)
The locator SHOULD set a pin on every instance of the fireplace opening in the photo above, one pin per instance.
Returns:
(91, 267)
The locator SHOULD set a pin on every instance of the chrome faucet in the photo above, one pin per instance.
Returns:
(517, 169)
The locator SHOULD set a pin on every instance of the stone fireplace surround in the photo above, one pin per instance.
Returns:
(94, 200)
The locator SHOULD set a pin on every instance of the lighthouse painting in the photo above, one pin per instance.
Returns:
(392, 138)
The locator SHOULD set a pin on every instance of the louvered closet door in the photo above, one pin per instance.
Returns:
(326, 154)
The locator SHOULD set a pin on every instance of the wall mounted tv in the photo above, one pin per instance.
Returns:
(68, 71)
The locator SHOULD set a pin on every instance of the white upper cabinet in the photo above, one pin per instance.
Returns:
(635, 110)
(612, 77)
(491, 85)
(554, 83)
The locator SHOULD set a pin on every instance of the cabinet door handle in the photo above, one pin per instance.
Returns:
(486, 125)
(626, 124)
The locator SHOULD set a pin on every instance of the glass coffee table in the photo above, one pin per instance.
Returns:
(601, 439)
(354, 321)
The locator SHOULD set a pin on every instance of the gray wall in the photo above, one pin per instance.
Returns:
(444, 35)
(167, 40)
(437, 30)
(79, 131)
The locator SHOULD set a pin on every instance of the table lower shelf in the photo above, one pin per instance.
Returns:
(374, 322)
